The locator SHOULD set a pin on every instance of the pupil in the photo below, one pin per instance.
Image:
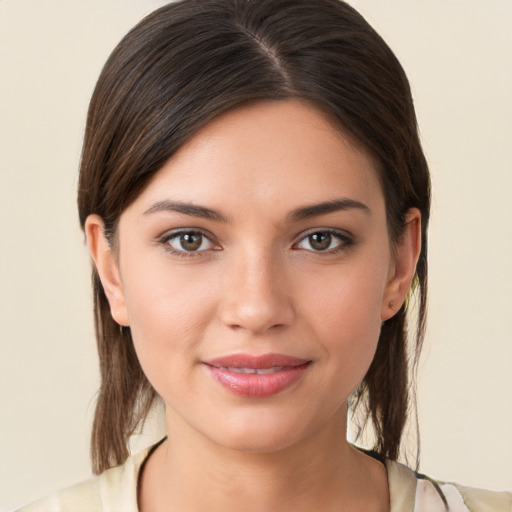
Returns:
(191, 241)
(320, 241)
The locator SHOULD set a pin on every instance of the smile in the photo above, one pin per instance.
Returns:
(257, 376)
(254, 371)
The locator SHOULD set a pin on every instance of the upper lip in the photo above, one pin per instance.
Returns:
(256, 362)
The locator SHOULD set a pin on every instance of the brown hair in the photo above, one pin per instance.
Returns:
(192, 60)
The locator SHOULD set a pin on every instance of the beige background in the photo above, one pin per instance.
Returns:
(457, 55)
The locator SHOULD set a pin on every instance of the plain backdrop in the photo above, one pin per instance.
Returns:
(457, 56)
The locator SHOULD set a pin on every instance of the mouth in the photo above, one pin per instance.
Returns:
(253, 371)
(257, 376)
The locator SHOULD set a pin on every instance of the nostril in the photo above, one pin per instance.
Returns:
(255, 301)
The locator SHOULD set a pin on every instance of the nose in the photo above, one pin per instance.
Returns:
(256, 296)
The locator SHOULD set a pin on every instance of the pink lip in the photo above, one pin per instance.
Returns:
(287, 370)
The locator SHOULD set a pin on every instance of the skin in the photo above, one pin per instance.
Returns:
(259, 285)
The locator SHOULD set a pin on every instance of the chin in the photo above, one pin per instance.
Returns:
(265, 432)
(261, 442)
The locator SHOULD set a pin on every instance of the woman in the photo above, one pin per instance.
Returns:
(256, 201)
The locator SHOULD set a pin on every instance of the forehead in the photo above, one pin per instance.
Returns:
(269, 152)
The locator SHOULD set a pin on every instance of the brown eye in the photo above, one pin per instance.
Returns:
(191, 241)
(184, 242)
(325, 241)
(320, 241)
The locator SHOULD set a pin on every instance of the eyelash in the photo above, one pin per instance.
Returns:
(345, 241)
(183, 253)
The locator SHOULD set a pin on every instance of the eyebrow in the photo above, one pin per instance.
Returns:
(187, 209)
(326, 207)
(302, 213)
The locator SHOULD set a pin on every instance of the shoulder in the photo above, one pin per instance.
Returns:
(483, 500)
(413, 491)
(81, 497)
(115, 490)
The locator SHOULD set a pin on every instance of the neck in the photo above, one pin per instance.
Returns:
(322, 472)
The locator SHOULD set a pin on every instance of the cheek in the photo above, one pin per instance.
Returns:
(349, 328)
(168, 312)
(345, 311)
(351, 298)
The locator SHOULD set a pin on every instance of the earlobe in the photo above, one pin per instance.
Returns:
(107, 267)
(403, 267)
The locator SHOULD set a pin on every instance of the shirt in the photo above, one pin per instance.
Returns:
(115, 490)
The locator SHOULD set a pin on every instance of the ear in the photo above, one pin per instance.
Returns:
(107, 267)
(403, 266)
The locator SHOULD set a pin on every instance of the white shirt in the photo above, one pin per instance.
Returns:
(115, 490)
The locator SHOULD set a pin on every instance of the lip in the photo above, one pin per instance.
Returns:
(257, 376)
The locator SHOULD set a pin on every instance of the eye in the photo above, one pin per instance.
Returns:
(183, 242)
(324, 241)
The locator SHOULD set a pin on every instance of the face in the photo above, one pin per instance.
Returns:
(254, 272)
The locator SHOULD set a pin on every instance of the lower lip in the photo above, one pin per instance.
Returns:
(252, 385)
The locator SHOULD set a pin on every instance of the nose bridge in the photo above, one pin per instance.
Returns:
(256, 297)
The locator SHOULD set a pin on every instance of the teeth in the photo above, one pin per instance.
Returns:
(241, 370)
(255, 371)
(266, 371)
